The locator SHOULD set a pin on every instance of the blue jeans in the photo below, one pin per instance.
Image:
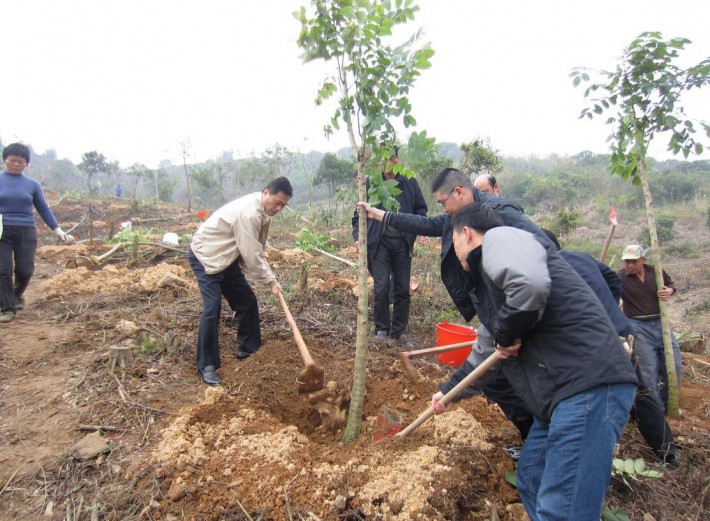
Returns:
(652, 361)
(17, 263)
(241, 298)
(565, 467)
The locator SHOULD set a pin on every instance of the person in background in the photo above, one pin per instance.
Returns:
(18, 235)
(648, 408)
(231, 240)
(561, 354)
(389, 258)
(487, 183)
(640, 295)
(119, 190)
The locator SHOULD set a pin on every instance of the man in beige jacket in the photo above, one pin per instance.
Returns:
(232, 239)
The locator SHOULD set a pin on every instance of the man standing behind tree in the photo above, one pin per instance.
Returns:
(640, 295)
(389, 257)
(232, 238)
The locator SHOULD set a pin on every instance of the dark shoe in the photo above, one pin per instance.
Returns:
(405, 342)
(243, 355)
(6, 316)
(19, 303)
(381, 335)
(672, 460)
(209, 375)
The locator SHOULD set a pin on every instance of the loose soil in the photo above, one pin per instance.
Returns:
(255, 448)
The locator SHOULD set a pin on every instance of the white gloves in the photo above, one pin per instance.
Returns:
(66, 239)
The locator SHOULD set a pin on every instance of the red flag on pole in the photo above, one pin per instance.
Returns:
(612, 216)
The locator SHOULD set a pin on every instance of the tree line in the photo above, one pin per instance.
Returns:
(324, 181)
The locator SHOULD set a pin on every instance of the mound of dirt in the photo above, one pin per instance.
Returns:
(259, 444)
(289, 257)
(227, 450)
(113, 278)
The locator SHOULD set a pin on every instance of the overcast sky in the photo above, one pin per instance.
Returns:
(133, 78)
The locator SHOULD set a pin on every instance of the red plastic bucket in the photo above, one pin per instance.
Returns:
(447, 334)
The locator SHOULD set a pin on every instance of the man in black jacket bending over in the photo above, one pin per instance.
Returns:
(561, 354)
(389, 257)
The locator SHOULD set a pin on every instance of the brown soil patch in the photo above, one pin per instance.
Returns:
(259, 443)
(255, 447)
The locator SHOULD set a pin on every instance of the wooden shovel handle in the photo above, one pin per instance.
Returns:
(106, 255)
(453, 393)
(438, 349)
(307, 359)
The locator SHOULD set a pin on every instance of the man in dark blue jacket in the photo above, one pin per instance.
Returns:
(561, 354)
(389, 258)
(648, 407)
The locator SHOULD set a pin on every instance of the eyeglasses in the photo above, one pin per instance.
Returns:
(443, 203)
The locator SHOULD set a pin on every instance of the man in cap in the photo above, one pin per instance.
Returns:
(640, 295)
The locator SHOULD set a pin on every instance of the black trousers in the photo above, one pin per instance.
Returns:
(231, 284)
(17, 263)
(392, 261)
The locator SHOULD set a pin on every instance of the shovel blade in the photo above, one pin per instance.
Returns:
(311, 379)
(387, 424)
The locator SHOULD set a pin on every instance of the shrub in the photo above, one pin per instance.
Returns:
(563, 221)
(664, 231)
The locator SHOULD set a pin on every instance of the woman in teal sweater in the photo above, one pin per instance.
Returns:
(18, 236)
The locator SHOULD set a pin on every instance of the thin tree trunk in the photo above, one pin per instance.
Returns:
(157, 194)
(673, 390)
(189, 188)
(357, 400)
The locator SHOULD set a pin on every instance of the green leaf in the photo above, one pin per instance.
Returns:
(510, 478)
(577, 80)
(639, 465)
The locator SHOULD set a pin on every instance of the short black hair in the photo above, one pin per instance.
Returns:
(552, 238)
(17, 149)
(450, 178)
(280, 184)
(477, 216)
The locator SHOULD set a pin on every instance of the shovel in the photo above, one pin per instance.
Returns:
(92, 262)
(406, 356)
(311, 378)
(453, 393)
